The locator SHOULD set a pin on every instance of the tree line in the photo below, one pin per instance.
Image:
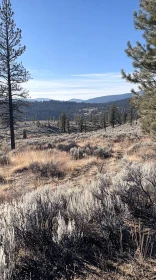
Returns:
(49, 110)
(113, 117)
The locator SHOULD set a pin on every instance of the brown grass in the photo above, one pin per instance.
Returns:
(22, 160)
(132, 270)
(93, 142)
(19, 177)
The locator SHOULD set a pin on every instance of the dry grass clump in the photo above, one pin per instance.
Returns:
(46, 170)
(23, 160)
(4, 159)
(63, 233)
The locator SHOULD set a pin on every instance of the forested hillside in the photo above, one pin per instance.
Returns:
(46, 110)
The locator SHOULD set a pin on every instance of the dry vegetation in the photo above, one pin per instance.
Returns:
(78, 206)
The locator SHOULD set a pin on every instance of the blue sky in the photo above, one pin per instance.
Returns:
(75, 48)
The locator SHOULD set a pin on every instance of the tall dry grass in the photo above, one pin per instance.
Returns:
(23, 160)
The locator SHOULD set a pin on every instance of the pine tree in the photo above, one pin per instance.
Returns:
(80, 123)
(12, 73)
(112, 115)
(94, 121)
(124, 117)
(62, 121)
(136, 117)
(144, 63)
(24, 134)
(118, 116)
(103, 120)
(68, 125)
(85, 125)
(130, 115)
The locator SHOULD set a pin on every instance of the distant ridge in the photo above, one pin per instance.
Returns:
(38, 99)
(109, 98)
(104, 99)
(76, 100)
(101, 99)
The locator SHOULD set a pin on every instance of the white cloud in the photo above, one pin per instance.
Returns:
(83, 86)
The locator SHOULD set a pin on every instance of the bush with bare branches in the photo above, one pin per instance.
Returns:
(53, 234)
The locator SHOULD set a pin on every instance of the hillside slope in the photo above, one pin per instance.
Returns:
(103, 99)
(46, 110)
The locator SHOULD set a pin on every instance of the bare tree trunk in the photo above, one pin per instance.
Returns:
(11, 117)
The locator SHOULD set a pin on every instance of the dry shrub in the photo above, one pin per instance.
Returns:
(89, 150)
(49, 234)
(103, 152)
(53, 234)
(2, 179)
(77, 153)
(66, 147)
(99, 152)
(47, 146)
(118, 138)
(153, 130)
(139, 192)
(4, 160)
(46, 170)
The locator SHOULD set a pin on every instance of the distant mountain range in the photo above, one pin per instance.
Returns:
(103, 99)
(38, 99)
(95, 100)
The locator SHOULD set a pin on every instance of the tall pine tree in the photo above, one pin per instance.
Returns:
(144, 63)
(124, 117)
(103, 120)
(80, 123)
(130, 115)
(112, 115)
(63, 122)
(12, 73)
